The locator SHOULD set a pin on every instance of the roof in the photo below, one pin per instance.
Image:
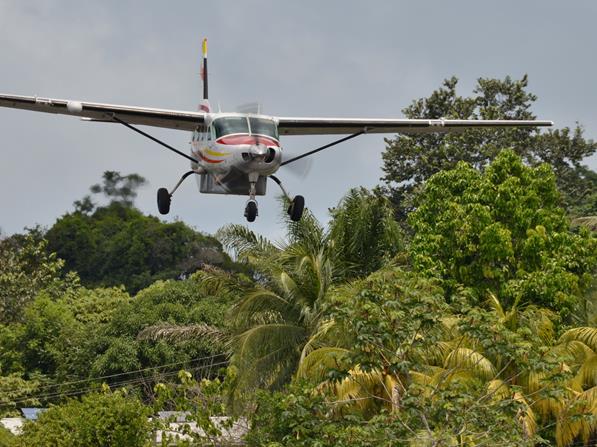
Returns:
(31, 414)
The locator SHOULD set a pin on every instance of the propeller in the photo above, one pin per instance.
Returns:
(300, 168)
(303, 162)
(250, 107)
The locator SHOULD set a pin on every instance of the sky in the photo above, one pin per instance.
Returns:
(339, 58)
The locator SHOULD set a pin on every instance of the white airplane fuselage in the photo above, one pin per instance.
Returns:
(249, 149)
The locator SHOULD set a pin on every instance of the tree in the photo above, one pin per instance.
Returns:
(283, 319)
(501, 232)
(446, 372)
(409, 160)
(363, 232)
(26, 268)
(119, 188)
(102, 419)
(118, 244)
(280, 317)
(15, 392)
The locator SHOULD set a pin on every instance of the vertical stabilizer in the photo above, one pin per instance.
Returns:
(204, 69)
(204, 104)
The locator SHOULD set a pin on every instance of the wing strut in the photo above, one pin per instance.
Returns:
(167, 146)
(333, 143)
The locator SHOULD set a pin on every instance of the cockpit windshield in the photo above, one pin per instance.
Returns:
(229, 125)
(261, 126)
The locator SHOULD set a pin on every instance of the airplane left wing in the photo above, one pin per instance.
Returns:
(171, 119)
(324, 126)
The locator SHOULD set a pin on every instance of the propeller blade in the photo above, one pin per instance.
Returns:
(302, 156)
(300, 168)
(250, 107)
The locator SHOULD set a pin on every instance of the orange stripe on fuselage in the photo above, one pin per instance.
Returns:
(209, 160)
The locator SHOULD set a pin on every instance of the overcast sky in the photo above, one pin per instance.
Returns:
(322, 58)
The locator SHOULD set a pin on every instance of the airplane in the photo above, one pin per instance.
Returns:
(236, 153)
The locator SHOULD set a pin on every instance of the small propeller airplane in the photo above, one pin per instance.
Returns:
(235, 153)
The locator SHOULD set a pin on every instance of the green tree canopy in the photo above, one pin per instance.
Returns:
(501, 232)
(118, 244)
(116, 187)
(98, 419)
(26, 268)
(409, 160)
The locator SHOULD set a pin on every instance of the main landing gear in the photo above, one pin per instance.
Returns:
(165, 197)
(297, 204)
(295, 209)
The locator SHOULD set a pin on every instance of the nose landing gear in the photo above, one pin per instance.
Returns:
(251, 210)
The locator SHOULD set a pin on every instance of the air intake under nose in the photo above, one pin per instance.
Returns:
(271, 155)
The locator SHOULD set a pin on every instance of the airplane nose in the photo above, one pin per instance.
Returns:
(259, 150)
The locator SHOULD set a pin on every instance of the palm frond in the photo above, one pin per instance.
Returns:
(190, 332)
(526, 416)
(214, 281)
(498, 390)
(318, 338)
(244, 243)
(573, 351)
(540, 321)
(469, 360)
(586, 376)
(319, 362)
(495, 304)
(363, 388)
(577, 419)
(267, 351)
(588, 335)
(259, 301)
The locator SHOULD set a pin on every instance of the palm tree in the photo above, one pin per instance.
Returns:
(543, 396)
(281, 318)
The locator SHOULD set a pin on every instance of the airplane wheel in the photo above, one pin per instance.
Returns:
(251, 210)
(295, 211)
(163, 201)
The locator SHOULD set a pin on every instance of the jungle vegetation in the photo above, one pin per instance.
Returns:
(454, 305)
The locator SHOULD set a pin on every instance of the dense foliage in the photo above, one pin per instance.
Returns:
(25, 269)
(98, 419)
(117, 245)
(502, 234)
(410, 160)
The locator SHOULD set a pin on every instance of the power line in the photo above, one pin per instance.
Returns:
(136, 382)
(150, 368)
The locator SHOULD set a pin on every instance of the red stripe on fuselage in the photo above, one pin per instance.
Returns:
(209, 160)
(247, 139)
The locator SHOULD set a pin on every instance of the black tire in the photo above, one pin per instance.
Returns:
(163, 201)
(296, 208)
(251, 211)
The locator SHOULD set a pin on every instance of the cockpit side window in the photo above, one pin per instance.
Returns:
(261, 126)
(230, 125)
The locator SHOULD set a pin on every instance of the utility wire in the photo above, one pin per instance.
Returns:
(136, 381)
(150, 368)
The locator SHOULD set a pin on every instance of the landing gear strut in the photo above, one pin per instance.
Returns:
(165, 197)
(297, 204)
